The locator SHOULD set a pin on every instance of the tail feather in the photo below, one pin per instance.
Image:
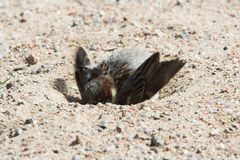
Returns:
(81, 60)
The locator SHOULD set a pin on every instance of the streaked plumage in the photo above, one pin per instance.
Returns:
(129, 76)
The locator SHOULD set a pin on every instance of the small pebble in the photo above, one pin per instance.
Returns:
(118, 129)
(212, 110)
(76, 157)
(198, 151)
(155, 142)
(214, 132)
(220, 146)
(18, 69)
(131, 136)
(3, 50)
(22, 20)
(102, 125)
(9, 85)
(15, 132)
(30, 121)
(82, 151)
(1, 131)
(75, 142)
(55, 151)
(203, 55)
(91, 47)
(75, 23)
(31, 60)
(20, 102)
(110, 148)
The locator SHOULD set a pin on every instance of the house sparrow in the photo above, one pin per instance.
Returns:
(128, 77)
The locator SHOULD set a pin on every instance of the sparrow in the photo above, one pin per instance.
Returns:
(127, 77)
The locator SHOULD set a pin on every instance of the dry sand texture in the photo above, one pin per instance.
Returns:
(198, 116)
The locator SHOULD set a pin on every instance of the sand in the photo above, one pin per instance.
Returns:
(196, 117)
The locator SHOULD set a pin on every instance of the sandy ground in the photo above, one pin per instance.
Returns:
(197, 117)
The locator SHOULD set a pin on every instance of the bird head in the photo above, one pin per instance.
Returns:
(100, 89)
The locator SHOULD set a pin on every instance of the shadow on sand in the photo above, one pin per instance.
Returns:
(59, 84)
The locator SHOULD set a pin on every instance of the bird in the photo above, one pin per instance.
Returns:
(129, 76)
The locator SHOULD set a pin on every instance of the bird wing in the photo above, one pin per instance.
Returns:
(81, 58)
(161, 76)
(132, 90)
(83, 74)
(137, 91)
(148, 79)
